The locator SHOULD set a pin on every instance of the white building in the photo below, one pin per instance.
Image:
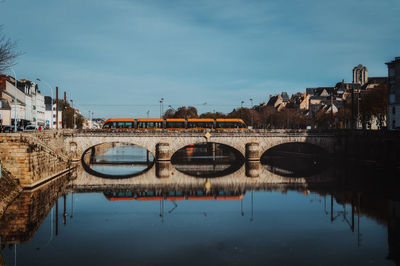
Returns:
(50, 114)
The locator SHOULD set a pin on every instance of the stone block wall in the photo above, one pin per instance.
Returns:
(30, 159)
(9, 190)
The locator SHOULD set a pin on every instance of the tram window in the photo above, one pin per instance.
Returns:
(120, 125)
(107, 125)
(175, 124)
(128, 125)
(230, 125)
(200, 124)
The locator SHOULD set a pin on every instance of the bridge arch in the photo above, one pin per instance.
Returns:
(176, 140)
(89, 154)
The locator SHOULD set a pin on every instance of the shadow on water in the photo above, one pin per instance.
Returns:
(117, 160)
(295, 159)
(207, 159)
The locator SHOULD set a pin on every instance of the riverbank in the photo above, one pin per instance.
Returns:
(9, 190)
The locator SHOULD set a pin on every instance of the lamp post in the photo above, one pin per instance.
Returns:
(15, 100)
(51, 90)
(73, 114)
(358, 110)
(251, 110)
(161, 107)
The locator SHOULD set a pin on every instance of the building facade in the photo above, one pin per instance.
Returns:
(393, 116)
(29, 108)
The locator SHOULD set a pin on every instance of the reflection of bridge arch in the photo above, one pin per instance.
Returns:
(172, 177)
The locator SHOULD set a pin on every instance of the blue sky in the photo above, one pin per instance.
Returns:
(120, 57)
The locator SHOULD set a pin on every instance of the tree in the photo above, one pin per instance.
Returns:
(170, 113)
(373, 104)
(186, 112)
(8, 55)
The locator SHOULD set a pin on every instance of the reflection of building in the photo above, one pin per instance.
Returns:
(393, 115)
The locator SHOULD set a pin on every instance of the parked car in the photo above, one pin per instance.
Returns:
(7, 129)
(31, 128)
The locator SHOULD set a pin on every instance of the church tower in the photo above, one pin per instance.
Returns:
(360, 75)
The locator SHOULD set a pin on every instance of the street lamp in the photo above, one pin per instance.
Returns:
(15, 100)
(251, 101)
(51, 90)
(161, 107)
(73, 114)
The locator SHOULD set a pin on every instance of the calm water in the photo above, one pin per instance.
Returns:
(199, 221)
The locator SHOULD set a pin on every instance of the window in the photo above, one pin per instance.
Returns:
(200, 124)
(393, 110)
(150, 125)
(175, 124)
(394, 124)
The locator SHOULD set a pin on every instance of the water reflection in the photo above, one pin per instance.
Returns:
(207, 220)
(117, 160)
(295, 159)
(207, 160)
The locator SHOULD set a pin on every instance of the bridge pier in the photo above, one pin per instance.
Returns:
(162, 152)
(253, 168)
(253, 152)
(163, 169)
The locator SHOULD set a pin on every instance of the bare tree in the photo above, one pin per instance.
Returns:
(8, 55)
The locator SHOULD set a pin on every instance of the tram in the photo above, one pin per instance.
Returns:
(175, 123)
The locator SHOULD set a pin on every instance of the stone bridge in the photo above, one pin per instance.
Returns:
(163, 144)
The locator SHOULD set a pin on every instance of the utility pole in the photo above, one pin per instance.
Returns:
(161, 107)
(64, 108)
(73, 114)
(251, 110)
(56, 107)
(332, 122)
(352, 107)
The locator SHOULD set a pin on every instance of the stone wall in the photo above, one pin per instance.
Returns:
(9, 190)
(31, 158)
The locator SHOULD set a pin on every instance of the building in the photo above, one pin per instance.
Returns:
(9, 93)
(360, 75)
(393, 115)
(35, 108)
(5, 113)
(278, 101)
(50, 114)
